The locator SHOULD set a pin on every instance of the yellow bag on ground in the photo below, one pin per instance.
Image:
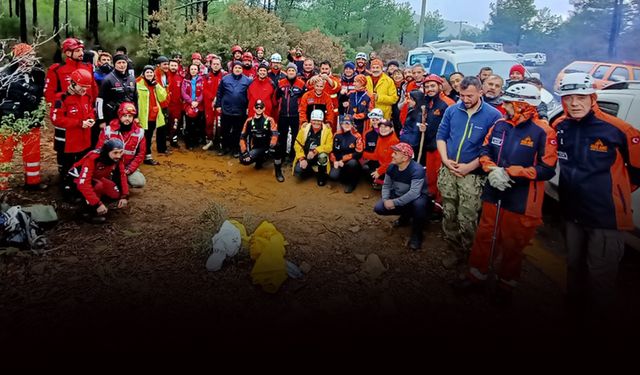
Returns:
(266, 247)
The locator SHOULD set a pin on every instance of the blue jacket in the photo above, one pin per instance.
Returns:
(410, 133)
(404, 186)
(232, 95)
(464, 134)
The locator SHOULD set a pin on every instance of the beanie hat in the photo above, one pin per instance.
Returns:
(349, 65)
(148, 67)
(120, 57)
(517, 68)
(235, 63)
(292, 66)
(394, 63)
(108, 146)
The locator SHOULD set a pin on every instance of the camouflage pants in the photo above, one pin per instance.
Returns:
(461, 205)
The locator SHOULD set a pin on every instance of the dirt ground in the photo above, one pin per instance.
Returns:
(139, 281)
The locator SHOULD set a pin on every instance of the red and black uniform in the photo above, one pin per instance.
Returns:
(311, 101)
(175, 104)
(211, 83)
(59, 77)
(306, 76)
(432, 161)
(251, 72)
(347, 148)
(96, 177)
(527, 149)
(276, 75)
(360, 104)
(345, 83)
(133, 140)
(262, 89)
(289, 93)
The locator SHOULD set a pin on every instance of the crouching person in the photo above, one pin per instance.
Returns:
(404, 193)
(347, 149)
(259, 138)
(101, 174)
(313, 146)
(129, 131)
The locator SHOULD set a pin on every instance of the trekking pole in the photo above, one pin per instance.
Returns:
(424, 119)
(491, 274)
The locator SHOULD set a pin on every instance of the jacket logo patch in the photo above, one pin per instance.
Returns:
(562, 155)
(311, 101)
(527, 141)
(553, 142)
(496, 141)
(598, 146)
(635, 140)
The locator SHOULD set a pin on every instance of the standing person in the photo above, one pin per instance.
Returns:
(127, 129)
(398, 79)
(313, 146)
(404, 193)
(196, 59)
(332, 85)
(455, 79)
(370, 139)
(463, 128)
(599, 158)
(516, 74)
(485, 72)
(316, 99)
(118, 87)
(414, 124)
(262, 89)
(122, 51)
(101, 174)
(72, 117)
(192, 96)
(258, 139)
(248, 69)
(346, 86)
(360, 104)
(58, 76)
(520, 154)
(232, 102)
(289, 92)
(361, 64)
(382, 87)
(150, 95)
(344, 158)
(177, 56)
(416, 83)
(103, 67)
(175, 108)
(295, 56)
(236, 55)
(259, 59)
(492, 89)
(276, 73)
(211, 116)
(392, 67)
(308, 70)
(20, 99)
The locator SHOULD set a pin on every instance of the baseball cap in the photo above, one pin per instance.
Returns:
(403, 148)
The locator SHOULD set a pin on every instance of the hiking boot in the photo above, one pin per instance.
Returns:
(36, 187)
(349, 189)
(257, 165)
(322, 179)
(415, 241)
(151, 162)
(401, 222)
(223, 152)
(208, 145)
(236, 154)
(279, 175)
(467, 286)
(376, 186)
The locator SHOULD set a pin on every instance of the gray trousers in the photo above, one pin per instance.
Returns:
(136, 179)
(592, 262)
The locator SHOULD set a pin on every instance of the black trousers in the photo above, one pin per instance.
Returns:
(65, 161)
(194, 130)
(286, 123)
(349, 174)
(231, 129)
(161, 137)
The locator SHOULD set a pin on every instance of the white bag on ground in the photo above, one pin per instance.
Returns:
(226, 243)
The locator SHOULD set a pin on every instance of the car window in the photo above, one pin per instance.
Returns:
(622, 72)
(636, 74)
(420, 58)
(601, 71)
(610, 108)
(436, 65)
(448, 69)
(579, 67)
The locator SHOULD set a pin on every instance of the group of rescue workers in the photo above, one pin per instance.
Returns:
(474, 150)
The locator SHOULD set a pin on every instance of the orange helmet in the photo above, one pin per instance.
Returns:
(21, 49)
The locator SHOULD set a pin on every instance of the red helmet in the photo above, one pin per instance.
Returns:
(71, 44)
(191, 112)
(434, 78)
(196, 56)
(82, 77)
(127, 108)
(211, 56)
(236, 48)
(259, 48)
(247, 56)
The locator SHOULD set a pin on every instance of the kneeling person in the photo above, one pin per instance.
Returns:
(347, 149)
(101, 173)
(129, 131)
(313, 146)
(258, 138)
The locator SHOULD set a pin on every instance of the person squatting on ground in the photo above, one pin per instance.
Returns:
(73, 117)
(313, 146)
(520, 154)
(231, 100)
(258, 139)
(599, 157)
(22, 93)
(99, 174)
(460, 180)
(150, 114)
(347, 150)
(404, 193)
(127, 129)
(289, 92)
(379, 160)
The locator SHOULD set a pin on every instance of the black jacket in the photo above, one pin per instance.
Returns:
(23, 94)
(116, 88)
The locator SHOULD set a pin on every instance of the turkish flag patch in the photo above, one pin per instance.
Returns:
(635, 140)
(553, 142)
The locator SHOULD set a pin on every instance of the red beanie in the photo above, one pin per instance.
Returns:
(517, 68)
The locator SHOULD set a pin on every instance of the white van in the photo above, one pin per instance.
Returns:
(422, 55)
(536, 58)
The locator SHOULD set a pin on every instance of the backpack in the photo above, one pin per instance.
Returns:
(21, 231)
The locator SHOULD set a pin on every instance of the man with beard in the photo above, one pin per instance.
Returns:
(346, 85)
(247, 65)
(276, 73)
(211, 116)
(127, 129)
(262, 89)
(289, 92)
(295, 56)
(118, 87)
(485, 72)
(236, 55)
(332, 85)
(361, 64)
(492, 88)
(57, 79)
(103, 67)
(99, 174)
(175, 107)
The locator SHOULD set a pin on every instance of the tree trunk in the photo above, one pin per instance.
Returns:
(23, 21)
(86, 15)
(56, 20)
(154, 6)
(17, 8)
(106, 12)
(141, 23)
(205, 10)
(615, 28)
(34, 12)
(93, 21)
(275, 7)
(10, 8)
(66, 18)
(113, 12)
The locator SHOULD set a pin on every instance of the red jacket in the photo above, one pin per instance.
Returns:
(90, 169)
(211, 83)
(67, 114)
(311, 101)
(59, 76)
(175, 94)
(251, 72)
(383, 151)
(262, 89)
(135, 145)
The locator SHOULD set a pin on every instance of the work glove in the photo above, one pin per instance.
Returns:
(499, 178)
(245, 157)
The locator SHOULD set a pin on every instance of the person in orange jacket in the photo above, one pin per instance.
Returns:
(381, 156)
(316, 99)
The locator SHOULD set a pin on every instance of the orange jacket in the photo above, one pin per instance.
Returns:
(310, 101)
(383, 151)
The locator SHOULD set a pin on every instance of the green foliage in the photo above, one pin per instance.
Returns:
(433, 25)
(509, 20)
(10, 125)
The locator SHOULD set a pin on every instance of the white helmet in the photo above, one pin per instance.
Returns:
(576, 84)
(522, 93)
(376, 113)
(317, 114)
(276, 58)
(361, 55)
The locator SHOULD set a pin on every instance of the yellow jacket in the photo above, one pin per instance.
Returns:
(326, 142)
(387, 94)
(143, 103)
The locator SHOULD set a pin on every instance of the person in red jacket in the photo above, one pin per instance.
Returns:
(248, 69)
(262, 89)
(127, 129)
(236, 55)
(58, 75)
(175, 108)
(72, 117)
(101, 174)
(192, 96)
(316, 99)
(211, 115)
